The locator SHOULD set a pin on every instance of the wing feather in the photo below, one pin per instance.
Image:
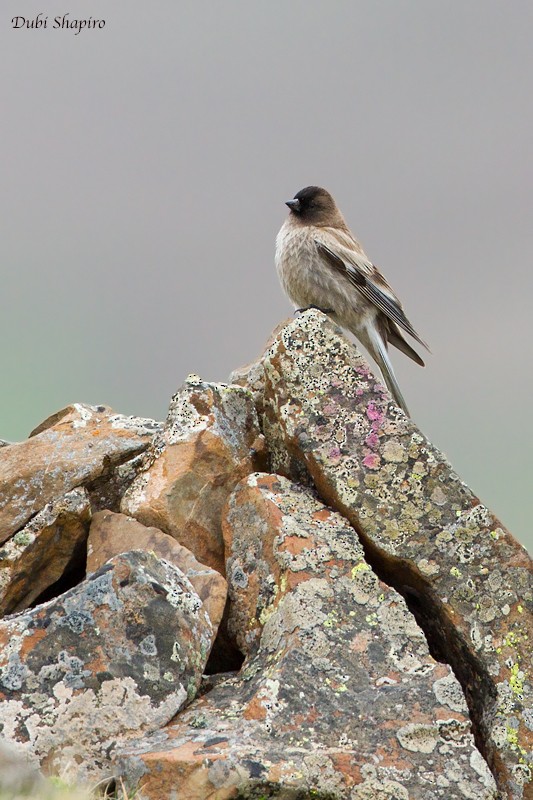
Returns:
(364, 276)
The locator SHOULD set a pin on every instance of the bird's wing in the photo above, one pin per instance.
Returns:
(343, 254)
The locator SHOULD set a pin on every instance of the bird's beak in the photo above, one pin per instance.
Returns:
(294, 205)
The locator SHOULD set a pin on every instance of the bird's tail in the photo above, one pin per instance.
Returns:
(378, 350)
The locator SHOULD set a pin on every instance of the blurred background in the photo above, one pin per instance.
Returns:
(144, 170)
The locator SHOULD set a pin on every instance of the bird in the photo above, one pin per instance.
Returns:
(322, 265)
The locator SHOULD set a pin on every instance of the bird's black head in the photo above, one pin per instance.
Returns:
(314, 205)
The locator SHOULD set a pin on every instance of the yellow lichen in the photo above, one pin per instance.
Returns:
(512, 736)
(265, 614)
(516, 680)
(456, 573)
(361, 567)
(331, 619)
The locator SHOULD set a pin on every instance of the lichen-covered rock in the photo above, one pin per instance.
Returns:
(118, 655)
(74, 447)
(252, 375)
(210, 441)
(339, 697)
(112, 533)
(423, 528)
(107, 491)
(38, 555)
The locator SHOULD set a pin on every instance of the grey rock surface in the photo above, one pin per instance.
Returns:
(118, 655)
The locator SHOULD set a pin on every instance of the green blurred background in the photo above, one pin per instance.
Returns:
(145, 167)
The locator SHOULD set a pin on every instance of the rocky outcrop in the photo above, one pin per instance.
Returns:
(426, 533)
(337, 672)
(383, 614)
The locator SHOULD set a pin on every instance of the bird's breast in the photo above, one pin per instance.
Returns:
(297, 262)
(309, 280)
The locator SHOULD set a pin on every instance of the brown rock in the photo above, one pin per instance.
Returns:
(74, 447)
(252, 376)
(57, 416)
(111, 534)
(424, 530)
(38, 555)
(107, 491)
(210, 441)
(118, 655)
(339, 697)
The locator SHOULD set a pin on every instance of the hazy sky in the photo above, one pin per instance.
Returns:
(144, 170)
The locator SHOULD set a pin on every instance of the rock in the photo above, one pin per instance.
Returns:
(210, 441)
(252, 376)
(38, 555)
(107, 491)
(118, 655)
(74, 447)
(339, 697)
(425, 532)
(63, 413)
(111, 534)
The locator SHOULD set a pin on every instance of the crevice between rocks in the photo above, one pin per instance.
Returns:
(445, 642)
(225, 656)
(73, 574)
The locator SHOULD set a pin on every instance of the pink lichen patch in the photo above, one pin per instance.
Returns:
(372, 461)
(374, 414)
(364, 372)
(334, 454)
(372, 440)
(380, 388)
